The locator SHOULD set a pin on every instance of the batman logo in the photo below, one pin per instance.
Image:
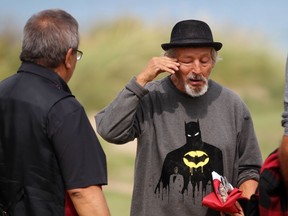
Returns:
(195, 159)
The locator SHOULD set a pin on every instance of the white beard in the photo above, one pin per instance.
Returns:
(197, 93)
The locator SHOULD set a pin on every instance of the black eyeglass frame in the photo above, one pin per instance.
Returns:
(79, 54)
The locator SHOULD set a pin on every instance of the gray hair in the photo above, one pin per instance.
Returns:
(214, 54)
(48, 35)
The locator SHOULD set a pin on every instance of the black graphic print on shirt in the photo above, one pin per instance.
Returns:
(187, 170)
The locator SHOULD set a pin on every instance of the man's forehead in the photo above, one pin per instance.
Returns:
(193, 51)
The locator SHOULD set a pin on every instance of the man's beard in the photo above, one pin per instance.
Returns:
(199, 91)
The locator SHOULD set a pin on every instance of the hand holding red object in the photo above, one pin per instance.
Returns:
(224, 197)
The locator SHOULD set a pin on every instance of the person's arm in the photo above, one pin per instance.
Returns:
(248, 188)
(283, 148)
(283, 159)
(156, 66)
(73, 137)
(250, 158)
(118, 123)
(89, 201)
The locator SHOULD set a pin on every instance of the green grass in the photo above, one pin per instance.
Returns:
(268, 130)
(120, 162)
(119, 203)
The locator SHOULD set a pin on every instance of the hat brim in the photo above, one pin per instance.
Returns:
(216, 45)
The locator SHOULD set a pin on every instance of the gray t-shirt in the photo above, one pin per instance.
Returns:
(181, 140)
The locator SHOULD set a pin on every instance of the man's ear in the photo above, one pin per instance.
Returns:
(69, 58)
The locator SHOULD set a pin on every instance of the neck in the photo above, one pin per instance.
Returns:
(62, 72)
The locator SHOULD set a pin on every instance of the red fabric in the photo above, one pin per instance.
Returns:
(271, 163)
(69, 207)
(271, 194)
(214, 201)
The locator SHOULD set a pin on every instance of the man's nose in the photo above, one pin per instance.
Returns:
(196, 68)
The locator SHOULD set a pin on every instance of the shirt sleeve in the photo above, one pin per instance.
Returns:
(250, 159)
(284, 121)
(118, 123)
(80, 155)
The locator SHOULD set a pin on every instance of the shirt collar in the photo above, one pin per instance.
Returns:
(46, 73)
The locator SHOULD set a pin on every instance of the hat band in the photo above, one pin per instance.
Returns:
(191, 40)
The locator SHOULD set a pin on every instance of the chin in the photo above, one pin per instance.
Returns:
(196, 92)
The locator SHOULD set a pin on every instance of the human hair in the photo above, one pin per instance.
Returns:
(214, 54)
(48, 35)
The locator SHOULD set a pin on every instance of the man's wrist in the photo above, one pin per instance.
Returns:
(141, 81)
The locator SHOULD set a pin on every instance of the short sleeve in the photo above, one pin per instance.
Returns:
(80, 155)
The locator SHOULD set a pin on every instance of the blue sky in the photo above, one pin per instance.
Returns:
(267, 16)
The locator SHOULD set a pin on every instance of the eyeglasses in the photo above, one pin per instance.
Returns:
(79, 54)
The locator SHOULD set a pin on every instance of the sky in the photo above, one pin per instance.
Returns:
(267, 16)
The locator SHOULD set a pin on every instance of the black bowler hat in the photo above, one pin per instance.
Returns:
(191, 33)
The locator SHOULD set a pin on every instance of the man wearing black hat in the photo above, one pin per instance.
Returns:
(186, 126)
